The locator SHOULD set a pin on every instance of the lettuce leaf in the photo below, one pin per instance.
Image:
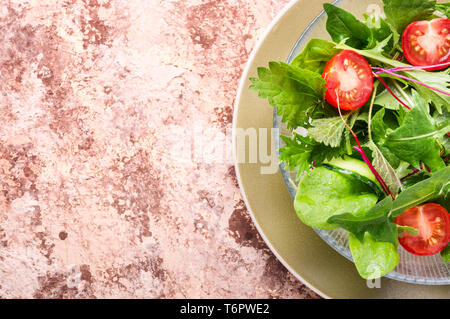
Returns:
(373, 259)
(315, 55)
(323, 193)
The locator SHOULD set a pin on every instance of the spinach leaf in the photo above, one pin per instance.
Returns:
(375, 221)
(315, 55)
(295, 92)
(343, 25)
(323, 193)
(379, 220)
(400, 13)
(446, 254)
(433, 188)
(415, 140)
(373, 259)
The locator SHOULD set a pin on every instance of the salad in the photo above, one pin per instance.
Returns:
(374, 103)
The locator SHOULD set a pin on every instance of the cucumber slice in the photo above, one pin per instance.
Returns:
(355, 169)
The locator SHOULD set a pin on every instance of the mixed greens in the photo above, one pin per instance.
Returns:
(375, 103)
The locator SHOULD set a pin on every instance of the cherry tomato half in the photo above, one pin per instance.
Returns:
(427, 43)
(349, 80)
(433, 223)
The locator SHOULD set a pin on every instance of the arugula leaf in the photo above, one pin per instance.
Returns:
(373, 259)
(444, 141)
(383, 157)
(446, 254)
(386, 100)
(435, 187)
(323, 193)
(301, 152)
(315, 55)
(293, 91)
(384, 168)
(438, 80)
(415, 140)
(343, 25)
(444, 8)
(400, 13)
(380, 30)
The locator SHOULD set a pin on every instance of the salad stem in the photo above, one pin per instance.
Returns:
(380, 180)
(402, 92)
(390, 91)
(381, 70)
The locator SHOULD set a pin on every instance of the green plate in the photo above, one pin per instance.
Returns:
(297, 246)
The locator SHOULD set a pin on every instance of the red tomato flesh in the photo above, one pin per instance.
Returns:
(433, 222)
(427, 43)
(349, 80)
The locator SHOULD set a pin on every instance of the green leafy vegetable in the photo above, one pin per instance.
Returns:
(380, 154)
(435, 187)
(444, 8)
(376, 222)
(323, 193)
(446, 254)
(315, 55)
(438, 80)
(328, 130)
(400, 13)
(342, 25)
(300, 153)
(415, 140)
(295, 92)
(373, 259)
(380, 30)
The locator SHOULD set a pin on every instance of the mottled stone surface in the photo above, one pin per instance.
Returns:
(102, 103)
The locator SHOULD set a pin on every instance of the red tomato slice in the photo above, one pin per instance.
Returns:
(349, 80)
(433, 223)
(427, 43)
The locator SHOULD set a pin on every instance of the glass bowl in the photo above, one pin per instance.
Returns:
(429, 270)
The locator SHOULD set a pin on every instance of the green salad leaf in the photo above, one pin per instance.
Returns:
(372, 258)
(379, 220)
(400, 13)
(323, 193)
(295, 92)
(446, 254)
(315, 55)
(444, 8)
(380, 30)
(415, 140)
(376, 222)
(431, 189)
(301, 153)
(342, 25)
(383, 158)
(328, 130)
(438, 80)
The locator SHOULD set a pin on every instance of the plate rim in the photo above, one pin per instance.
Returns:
(240, 89)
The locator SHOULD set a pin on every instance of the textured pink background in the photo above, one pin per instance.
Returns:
(97, 199)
